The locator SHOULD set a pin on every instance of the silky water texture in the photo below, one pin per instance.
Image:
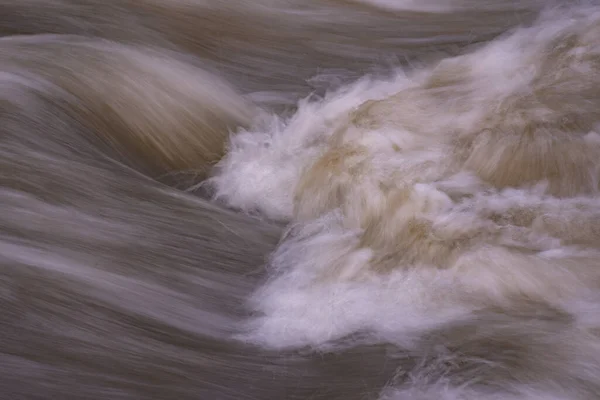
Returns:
(305, 200)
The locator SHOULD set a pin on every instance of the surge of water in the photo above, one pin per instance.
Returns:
(297, 199)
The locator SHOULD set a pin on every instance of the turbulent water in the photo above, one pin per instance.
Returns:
(298, 199)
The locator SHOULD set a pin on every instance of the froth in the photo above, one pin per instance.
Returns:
(425, 198)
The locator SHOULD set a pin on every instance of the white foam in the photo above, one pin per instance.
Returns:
(416, 161)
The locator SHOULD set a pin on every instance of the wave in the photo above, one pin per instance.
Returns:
(459, 192)
(281, 199)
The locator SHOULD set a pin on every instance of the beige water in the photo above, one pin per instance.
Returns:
(285, 199)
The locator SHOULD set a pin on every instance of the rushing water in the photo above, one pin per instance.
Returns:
(300, 199)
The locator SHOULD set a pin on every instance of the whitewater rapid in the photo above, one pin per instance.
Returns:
(425, 198)
(297, 199)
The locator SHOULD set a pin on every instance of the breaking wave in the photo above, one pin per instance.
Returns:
(281, 199)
